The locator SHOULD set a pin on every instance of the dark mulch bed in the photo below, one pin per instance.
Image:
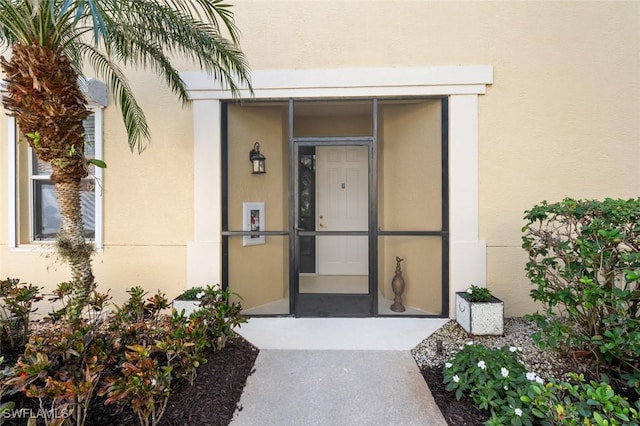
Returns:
(212, 400)
(456, 413)
(214, 396)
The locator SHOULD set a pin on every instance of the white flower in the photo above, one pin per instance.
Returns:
(513, 349)
(455, 378)
(534, 377)
(199, 295)
(470, 290)
(215, 287)
(518, 412)
(153, 382)
(482, 365)
(504, 372)
(448, 365)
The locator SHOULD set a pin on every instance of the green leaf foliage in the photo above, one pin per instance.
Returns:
(97, 163)
(109, 35)
(132, 358)
(494, 379)
(584, 264)
(579, 402)
(16, 306)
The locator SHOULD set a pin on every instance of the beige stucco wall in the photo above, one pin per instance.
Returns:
(561, 119)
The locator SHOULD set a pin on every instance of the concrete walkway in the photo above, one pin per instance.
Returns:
(334, 371)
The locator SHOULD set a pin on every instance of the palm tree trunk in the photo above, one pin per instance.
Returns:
(73, 248)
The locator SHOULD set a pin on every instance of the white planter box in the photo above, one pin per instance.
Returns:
(189, 306)
(480, 318)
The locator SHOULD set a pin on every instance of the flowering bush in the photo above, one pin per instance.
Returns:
(494, 379)
(478, 294)
(497, 381)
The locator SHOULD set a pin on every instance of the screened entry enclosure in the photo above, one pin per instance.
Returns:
(349, 186)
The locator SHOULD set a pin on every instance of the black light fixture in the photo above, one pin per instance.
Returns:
(257, 160)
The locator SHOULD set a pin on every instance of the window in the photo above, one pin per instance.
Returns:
(45, 217)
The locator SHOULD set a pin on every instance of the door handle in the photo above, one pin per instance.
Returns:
(321, 225)
(298, 229)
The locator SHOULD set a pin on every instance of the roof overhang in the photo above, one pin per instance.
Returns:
(350, 82)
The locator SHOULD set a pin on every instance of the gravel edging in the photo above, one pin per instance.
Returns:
(518, 332)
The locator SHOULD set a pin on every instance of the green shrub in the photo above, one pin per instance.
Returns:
(494, 379)
(143, 350)
(154, 349)
(136, 309)
(219, 313)
(145, 385)
(137, 321)
(61, 369)
(16, 307)
(62, 364)
(584, 261)
(578, 402)
(183, 343)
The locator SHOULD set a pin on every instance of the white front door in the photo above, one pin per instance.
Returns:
(342, 205)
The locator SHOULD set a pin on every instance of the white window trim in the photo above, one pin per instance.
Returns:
(96, 93)
(462, 85)
(12, 201)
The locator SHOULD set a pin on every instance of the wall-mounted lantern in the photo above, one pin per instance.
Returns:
(257, 160)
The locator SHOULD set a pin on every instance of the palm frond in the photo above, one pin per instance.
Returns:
(128, 45)
(213, 11)
(178, 32)
(132, 114)
(133, 33)
(14, 22)
(34, 22)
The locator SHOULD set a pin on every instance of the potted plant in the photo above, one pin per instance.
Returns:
(479, 312)
(188, 300)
